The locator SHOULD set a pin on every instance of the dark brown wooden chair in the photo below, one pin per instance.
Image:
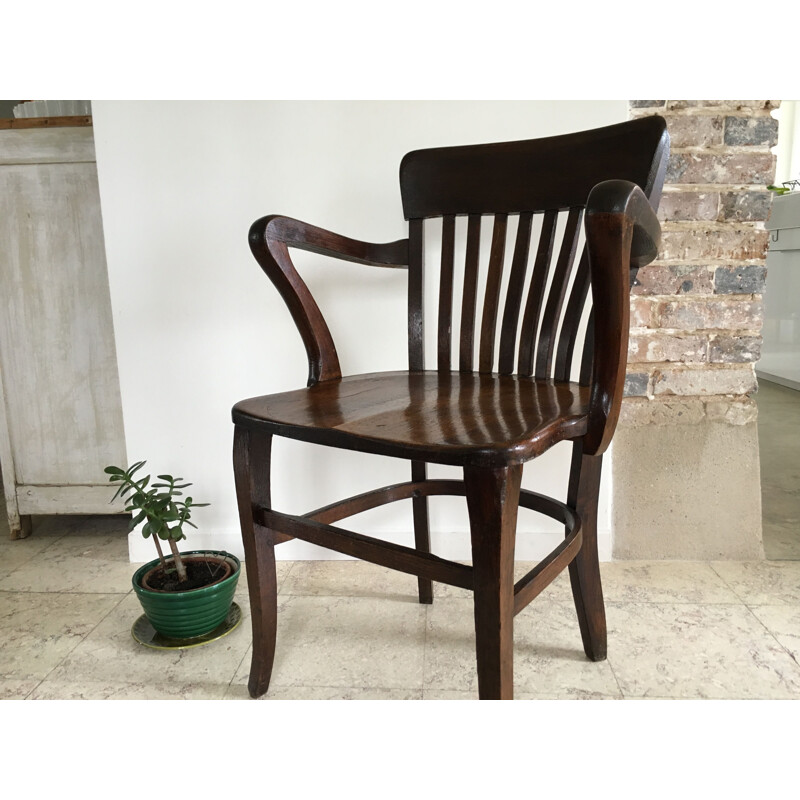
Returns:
(488, 418)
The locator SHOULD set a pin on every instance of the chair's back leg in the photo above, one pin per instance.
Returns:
(422, 537)
(251, 463)
(493, 501)
(584, 571)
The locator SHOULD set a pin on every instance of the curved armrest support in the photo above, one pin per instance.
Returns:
(622, 232)
(270, 239)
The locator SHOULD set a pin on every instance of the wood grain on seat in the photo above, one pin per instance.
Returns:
(446, 418)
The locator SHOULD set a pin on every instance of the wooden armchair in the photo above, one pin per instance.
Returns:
(490, 417)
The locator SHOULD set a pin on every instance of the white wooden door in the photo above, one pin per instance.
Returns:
(58, 369)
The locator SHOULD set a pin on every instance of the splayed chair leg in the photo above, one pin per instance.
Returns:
(584, 571)
(251, 462)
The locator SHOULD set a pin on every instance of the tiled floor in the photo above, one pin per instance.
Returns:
(350, 630)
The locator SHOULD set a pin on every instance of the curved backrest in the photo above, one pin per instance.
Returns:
(536, 185)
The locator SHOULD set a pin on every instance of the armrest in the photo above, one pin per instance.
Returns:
(270, 239)
(303, 236)
(624, 197)
(622, 232)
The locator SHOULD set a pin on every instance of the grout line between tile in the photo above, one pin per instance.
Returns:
(83, 638)
(779, 643)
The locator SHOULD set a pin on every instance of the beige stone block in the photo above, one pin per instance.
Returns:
(729, 243)
(735, 412)
(656, 346)
(639, 412)
(703, 382)
(689, 206)
(688, 492)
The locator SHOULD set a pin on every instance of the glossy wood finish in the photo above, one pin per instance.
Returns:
(604, 184)
(492, 500)
(557, 172)
(584, 571)
(252, 452)
(452, 418)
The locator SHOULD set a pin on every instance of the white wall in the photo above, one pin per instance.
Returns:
(199, 326)
(787, 165)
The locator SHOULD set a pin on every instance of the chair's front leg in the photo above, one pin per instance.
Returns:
(584, 571)
(493, 501)
(251, 462)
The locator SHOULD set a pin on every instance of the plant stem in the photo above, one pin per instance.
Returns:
(178, 561)
(160, 552)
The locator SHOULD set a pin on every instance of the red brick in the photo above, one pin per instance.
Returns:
(641, 312)
(673, 279)
(695, 130)
(709, 313)
(738, 168)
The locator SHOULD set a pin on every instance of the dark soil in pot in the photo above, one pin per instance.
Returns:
(200, 571)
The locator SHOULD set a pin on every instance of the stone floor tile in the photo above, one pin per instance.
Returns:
(76, 563)
(664, 582)
(697, 651)
(111, 656)
(347, 641)
(783, 622)
(14, 553)
(762, 582)
(238, 691)
(349, 579)
(559, 589)
(282, 570)
(37, 631)
(548, 653)
(145, 690)
(17, 689)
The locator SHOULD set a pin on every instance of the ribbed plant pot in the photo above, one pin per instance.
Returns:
(185, 615)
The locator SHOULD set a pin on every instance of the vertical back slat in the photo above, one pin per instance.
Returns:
(416, 279)
(446, 292)
(533, 305)
(469, 299)
(492, 297)
(545, 351)
(572, 319)
(516, 284)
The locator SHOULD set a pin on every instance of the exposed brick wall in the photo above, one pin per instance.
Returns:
(697, 312)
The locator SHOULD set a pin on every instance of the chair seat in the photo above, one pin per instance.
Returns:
(442, 417)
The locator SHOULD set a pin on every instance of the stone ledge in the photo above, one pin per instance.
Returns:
(687, 491)
(640, 412)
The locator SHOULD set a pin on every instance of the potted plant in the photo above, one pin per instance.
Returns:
(184, 595)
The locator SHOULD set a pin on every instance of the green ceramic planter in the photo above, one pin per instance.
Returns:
(184, 615)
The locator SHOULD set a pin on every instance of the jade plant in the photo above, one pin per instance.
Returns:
(161, 506)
